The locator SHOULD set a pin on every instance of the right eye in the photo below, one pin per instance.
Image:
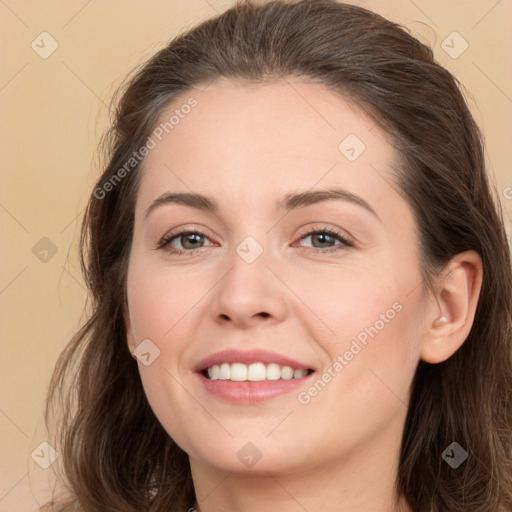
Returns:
(187, 239)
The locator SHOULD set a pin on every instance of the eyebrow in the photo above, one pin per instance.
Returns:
(289, 202)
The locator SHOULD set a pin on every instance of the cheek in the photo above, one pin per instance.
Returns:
(346, 301)
(368, 325)
(159, 299)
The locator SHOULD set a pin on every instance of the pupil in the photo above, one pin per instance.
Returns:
(190, 238)
(323, 235)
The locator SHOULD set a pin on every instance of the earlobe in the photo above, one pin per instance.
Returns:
(457, 292)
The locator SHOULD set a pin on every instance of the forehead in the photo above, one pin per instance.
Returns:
(264, 137)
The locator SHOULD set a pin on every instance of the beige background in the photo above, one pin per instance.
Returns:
(53, 111)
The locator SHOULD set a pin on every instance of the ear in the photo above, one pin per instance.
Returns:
(456, 297)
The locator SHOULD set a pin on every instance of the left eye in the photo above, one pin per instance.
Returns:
(325, 237)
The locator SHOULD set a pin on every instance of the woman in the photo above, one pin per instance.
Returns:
(301, 281)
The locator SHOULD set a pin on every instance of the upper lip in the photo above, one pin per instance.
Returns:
(248, 357)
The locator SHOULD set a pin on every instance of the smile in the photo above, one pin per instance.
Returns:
(239, 372)
(248, 377)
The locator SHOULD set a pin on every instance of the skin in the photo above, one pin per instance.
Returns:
(247, 146)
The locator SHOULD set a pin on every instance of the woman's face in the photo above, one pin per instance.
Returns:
(341, 311)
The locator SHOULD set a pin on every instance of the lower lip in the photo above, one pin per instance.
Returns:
(251, 392)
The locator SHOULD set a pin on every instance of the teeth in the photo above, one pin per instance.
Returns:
(239, 372)
(286, 373)
(256, 371)
(273, 371)
(297, 374)
(214, 372)
(225, 371)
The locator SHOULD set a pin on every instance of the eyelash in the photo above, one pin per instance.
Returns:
(166, 240)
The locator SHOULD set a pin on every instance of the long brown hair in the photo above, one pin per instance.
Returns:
(115, 454)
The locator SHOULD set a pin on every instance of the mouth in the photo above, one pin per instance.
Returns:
(246, 377)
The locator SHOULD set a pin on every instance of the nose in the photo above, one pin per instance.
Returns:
(249, 294)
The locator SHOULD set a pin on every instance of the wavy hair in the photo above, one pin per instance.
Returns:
(115, 455)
